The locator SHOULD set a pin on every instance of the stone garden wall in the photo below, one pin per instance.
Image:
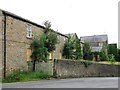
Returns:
(73, 68)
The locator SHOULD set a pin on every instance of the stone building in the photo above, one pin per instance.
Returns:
(16, 34)
(57, 53)
(96, 42)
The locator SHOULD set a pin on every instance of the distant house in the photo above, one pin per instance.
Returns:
(96, 42)
(16, 34)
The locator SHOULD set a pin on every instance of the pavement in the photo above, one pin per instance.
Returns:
(95, 82)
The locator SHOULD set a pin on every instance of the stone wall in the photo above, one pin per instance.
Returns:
(17, 43)
(70, 68)
(42, 67)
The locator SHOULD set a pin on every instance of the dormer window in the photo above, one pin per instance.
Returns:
(29, 31)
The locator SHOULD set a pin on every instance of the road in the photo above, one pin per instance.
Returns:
(109, 82)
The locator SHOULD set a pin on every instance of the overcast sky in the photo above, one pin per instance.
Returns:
(84, 17)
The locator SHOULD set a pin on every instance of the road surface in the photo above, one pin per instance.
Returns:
(109, 82)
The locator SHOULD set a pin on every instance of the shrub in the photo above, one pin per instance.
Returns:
(118, 55)
(87, 53)
(86, 63)
(13, 77)
(111, 58)
(103, 53)
(112, 49)
(18, 76)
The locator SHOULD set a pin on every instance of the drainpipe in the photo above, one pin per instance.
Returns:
(4, 45)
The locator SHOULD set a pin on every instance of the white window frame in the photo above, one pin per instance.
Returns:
(29, 31)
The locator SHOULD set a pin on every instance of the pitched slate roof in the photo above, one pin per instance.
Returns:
(95, 38)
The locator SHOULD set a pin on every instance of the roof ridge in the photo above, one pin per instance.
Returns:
(26, 20)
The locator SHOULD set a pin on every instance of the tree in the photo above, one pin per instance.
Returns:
(103, 53)
(111, 58)
(41, 46)
(51, 41)
(72, 49)
(39, 51)
(118, 54)
(47, 25)
(77, 48)
(68, 49)
(112, 49)
(87, 54)
(51, 37)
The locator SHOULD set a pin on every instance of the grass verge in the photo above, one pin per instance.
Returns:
(102, 62)
(18, 76)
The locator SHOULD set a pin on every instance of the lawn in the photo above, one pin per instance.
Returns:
(105, 62)
(102, 62)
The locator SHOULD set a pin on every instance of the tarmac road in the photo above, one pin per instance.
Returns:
(108, 82)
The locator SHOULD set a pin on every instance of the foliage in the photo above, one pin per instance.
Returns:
(47, 25)
(111, 58)
(51, 37)
(15, 76)
(20, 76)
(87, 54)
(72, 49)
(86, 63)
(112, 49)
(39, 51)
(51, 41)
(96, 55)
(68, 49)
(103, 54)
(41, 46)
(118, 55)
(77, 49)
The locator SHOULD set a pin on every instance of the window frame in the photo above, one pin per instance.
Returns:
(29, 31)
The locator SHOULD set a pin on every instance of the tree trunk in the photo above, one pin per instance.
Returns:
(34, 65)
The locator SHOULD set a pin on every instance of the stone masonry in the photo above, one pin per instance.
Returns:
(57, 54)
(73, 68)
(18, 44)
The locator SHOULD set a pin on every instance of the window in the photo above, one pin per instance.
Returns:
(29, 53)
(51, 55)
(60, 54)
(29, 31)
